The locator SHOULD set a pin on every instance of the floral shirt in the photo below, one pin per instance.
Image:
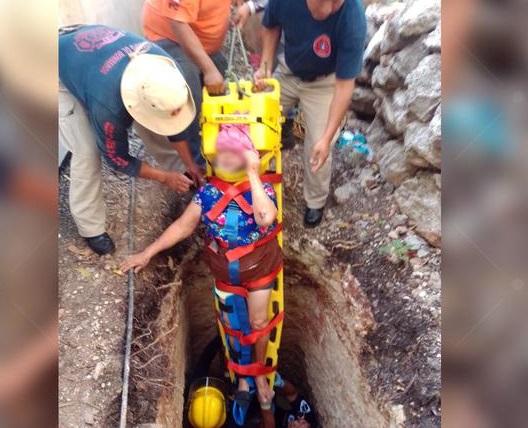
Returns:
(248, 229)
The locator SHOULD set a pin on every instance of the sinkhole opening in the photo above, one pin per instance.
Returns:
(319, 353)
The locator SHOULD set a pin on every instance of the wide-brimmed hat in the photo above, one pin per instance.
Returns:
(156, 94)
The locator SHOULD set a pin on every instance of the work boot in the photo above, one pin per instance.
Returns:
(101, 244)
(288, 139)
(313, 217)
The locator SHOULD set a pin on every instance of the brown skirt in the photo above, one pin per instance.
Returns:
(253, 266)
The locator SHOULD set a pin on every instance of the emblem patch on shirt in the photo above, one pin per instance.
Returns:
(95, 38)
(322, 46)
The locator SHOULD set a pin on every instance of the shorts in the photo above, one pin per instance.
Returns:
(253, 266)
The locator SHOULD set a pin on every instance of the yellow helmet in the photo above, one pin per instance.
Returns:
(207, 407)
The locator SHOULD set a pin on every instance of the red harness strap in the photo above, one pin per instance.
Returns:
(255, 369)
(250, 285)
(243, 250)
(242, 290)
(253, 337)
(232, 192)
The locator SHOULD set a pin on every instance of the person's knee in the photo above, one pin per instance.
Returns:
(259, 321)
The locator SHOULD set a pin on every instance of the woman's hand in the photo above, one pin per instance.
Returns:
(252, 162)
(136, 261)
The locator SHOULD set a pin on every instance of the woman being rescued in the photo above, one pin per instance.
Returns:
(235, 152)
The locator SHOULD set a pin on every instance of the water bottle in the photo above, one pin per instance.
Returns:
(356, 141)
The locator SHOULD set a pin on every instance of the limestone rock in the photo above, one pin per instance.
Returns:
(373, 49)
(393, 165)
(416, 143)
(406, 60)
(345, 192)
(392, 42)
(385, 78)
(418, 17)
(376, 133)
(363, 101)
(423, 142)
(419, 199)
(423, 94)
(378, 13)
(394, 112)
(434, 40)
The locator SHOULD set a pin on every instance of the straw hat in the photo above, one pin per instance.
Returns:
(156, 94)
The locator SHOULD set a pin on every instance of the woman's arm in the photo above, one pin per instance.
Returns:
(182, 228)
(264, 209)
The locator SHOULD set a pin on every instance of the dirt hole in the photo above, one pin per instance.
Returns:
(320, 351)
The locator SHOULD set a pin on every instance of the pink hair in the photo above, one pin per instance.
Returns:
(234, 137)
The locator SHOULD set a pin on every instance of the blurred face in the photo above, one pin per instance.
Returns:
(230, 161)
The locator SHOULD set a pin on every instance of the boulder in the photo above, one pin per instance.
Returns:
(385, 78)
(393, 165)
(416, 142)
(419, 199)
(418, 17)
(345, 192)
(423, 83)
(423, 142)
(376, 133)
(363, 101)
(378, 13)
(406, 60)
(373, 49)
(392, 42)
(394, 112)
(433, 41)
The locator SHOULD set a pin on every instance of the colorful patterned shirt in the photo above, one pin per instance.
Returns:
(249, 231)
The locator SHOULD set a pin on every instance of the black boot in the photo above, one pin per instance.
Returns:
(313, 217)
(101, 244)
(288, 139)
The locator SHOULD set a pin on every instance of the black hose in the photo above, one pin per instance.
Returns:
(130, 310)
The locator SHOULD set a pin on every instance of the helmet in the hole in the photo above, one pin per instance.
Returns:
(207, 408)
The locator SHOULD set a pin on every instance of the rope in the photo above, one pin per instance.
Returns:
(130, 311)
(237, 41)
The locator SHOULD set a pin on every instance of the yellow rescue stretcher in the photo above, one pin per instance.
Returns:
(263, 113)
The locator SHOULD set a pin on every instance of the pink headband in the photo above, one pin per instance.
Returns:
(234, 137)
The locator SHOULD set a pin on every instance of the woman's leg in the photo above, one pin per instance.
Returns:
(258, 302)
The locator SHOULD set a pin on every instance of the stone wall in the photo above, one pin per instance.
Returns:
(399, 90)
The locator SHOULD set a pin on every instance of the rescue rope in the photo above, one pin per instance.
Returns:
(238, 41)
(130, 310)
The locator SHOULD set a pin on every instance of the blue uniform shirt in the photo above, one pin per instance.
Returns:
(92, 60)
(315, 48)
